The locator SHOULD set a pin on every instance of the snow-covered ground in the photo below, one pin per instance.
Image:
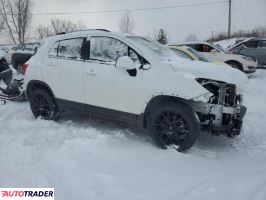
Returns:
(98, 160)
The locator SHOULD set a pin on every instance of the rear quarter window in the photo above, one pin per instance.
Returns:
(67, 49)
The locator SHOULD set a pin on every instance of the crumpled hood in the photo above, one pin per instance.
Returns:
(210, 71)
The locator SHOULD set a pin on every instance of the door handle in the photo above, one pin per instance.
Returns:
(91, 72)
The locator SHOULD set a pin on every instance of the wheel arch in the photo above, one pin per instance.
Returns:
(234, 61)
(34, 84)
(157, 100)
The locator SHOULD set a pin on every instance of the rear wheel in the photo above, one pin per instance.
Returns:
(43, 105)
(173, 124)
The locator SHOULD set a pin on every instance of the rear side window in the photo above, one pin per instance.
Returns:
(53, 51)
(67, 49)
(70, 49)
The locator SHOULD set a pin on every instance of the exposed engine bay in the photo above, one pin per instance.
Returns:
(223, 111)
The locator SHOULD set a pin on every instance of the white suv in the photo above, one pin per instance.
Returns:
(133, 79)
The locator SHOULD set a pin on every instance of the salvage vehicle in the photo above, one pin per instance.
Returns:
(133, 79)
(10, 89)
(192, 54)
(9, 49)
(246, 64)
(255, 47)
(22, 54)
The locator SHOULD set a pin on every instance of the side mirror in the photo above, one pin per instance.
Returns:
(214, 51)
(125, 63)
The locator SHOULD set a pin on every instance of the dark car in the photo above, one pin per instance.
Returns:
(23, 54)
(255, 47)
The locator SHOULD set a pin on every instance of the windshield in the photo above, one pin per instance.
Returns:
(219, 48)
(155, 47)
(198, 55)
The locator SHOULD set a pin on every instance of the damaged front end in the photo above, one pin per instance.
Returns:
(220, 111)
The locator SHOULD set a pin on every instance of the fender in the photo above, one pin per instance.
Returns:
(38, 84)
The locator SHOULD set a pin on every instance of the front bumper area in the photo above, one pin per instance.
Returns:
(219, 119)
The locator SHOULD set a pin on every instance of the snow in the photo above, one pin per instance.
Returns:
(225, 44)
(94, 159)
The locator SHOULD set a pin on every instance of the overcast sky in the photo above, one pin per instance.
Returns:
(178, 22)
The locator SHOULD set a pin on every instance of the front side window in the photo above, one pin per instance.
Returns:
(205, 48)
(107, 49)
(251, 44)
(70, 49)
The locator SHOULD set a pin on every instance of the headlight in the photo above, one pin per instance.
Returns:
(249, 58)
(204, 98)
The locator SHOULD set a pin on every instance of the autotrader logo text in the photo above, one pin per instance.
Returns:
(26, 193)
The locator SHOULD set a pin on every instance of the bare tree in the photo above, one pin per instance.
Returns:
(1, 24)
(256, 32)
(58, 26)
(191, 38)
(16, 15)
(126, 23)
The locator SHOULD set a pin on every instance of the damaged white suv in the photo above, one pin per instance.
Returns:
(133, 79)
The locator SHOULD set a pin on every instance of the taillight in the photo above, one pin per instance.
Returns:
(24, 68)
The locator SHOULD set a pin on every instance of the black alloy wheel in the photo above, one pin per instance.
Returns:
(174, 124)
(42, 105)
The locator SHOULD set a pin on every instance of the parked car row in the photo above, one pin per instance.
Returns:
(255, 47)
(131, 78)
(213, 52)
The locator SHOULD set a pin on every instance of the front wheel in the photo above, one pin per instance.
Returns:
(42, 105)
(235, 65)
(175, 124)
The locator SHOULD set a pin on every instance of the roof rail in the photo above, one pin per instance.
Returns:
(100, 29)
(61, 33)
(105, 30)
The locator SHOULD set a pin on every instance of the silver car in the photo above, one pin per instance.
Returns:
(255, 47)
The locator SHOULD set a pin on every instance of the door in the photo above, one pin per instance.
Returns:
(261, 53)
(64, 69)
(105, 85)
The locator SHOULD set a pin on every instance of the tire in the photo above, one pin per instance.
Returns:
(173, 123)
(43, 105)
(235, 65)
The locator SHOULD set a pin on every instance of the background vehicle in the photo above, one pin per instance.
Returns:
(9, 49)
(255, 47)
(246, 64)
(23, 54)
(189, 53)
(133, 79)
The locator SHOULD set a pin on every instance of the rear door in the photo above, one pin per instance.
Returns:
(64, 69)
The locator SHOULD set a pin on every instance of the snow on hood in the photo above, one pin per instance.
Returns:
(210, 71)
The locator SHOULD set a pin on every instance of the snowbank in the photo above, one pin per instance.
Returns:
(96, 160)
